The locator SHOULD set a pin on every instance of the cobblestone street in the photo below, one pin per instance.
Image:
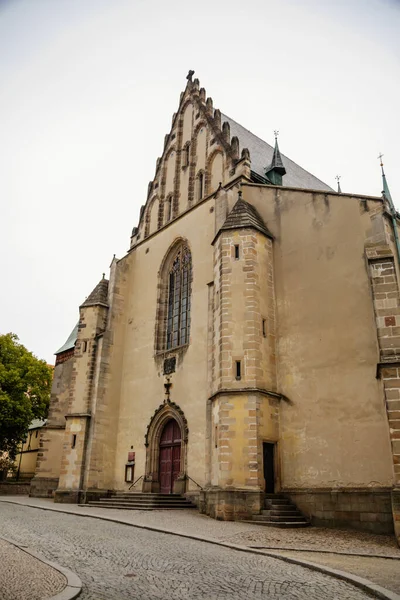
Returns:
(117, 562)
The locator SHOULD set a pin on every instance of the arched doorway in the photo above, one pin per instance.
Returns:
(170, 456)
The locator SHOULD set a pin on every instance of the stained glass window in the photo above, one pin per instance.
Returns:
(178, 317)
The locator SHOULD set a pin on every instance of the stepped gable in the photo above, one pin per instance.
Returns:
(70, 343)
(99, 295)
(261, 156)
(244, 215)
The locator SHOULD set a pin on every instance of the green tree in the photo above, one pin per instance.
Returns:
(25, 383)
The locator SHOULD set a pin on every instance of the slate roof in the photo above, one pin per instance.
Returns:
(99, 294)
(244, 215)
(70, 343)
(36, 423)
(261, 155)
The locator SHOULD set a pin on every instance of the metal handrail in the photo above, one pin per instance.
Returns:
(198, 485)
(135, 482)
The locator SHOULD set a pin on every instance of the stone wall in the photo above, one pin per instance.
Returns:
(14, 488)
(366, 510)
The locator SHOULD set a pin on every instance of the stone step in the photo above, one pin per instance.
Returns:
(277, 501)
(139, 500)
(272, 496)
(279, 524)
(284, 511)
(297, 517)
(289, 512)
(135, 506)
(143, 495)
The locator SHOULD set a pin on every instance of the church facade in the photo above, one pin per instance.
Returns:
(248, 342)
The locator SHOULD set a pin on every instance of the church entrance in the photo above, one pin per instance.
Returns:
(269, 472)
(170, 456)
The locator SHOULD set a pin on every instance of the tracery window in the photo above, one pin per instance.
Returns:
(178, 313)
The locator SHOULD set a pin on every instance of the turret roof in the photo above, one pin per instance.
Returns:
(99, 295)
(245, 215)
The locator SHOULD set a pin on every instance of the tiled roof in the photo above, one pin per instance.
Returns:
(99, 294)
(261, 155)
(70, 343)
(244, 215)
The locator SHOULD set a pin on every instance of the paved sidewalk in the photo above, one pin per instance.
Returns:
(23, 577)
(340, 549)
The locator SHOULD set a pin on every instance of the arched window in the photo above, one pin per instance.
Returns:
(200, 185)
(178, 314)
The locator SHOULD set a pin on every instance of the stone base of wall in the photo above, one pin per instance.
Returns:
(363, 509)
(43, 487)
(230, 505)
(396, 513)
(193, 496)
(68, 496)
(14, 488)
(95, 495)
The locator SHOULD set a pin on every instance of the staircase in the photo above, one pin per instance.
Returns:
(279, 512)
(142, 501)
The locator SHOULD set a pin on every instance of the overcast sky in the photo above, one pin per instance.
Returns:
(87, 93)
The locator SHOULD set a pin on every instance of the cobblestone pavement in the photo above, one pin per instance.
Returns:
(23, 577)
(384, 571)
(192, 523)
(117, 562)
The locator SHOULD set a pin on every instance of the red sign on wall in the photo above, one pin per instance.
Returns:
(131, 456)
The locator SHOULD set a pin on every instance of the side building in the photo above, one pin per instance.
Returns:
(248, 342)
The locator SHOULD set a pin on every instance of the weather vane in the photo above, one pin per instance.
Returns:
(338, 178)
(380, 156)
(276, 133)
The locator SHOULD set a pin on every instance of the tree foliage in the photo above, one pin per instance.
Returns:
(25, 383)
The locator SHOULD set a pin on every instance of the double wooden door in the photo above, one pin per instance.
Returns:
(170, 456)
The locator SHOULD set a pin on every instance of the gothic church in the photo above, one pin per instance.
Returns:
(248, 343)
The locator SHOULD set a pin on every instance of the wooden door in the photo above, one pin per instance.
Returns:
(170, 456)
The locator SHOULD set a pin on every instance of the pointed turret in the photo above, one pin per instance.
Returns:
(244, 215)
(385, 190)
(99, 296)
(276, 170)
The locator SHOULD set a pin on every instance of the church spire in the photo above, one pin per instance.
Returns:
(339, 189)
(276, 170)
(385, 191)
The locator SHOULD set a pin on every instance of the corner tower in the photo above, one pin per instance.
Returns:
(243, 411)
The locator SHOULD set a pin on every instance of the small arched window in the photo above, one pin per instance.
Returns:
(178, 318)
(200, 185)
(186, 155)
(168, 205)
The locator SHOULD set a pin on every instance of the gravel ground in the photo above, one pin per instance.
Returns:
(116, 562)
(23, 577)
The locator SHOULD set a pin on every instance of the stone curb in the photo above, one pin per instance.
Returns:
(336, 552)
(74, 584)
(368, 586)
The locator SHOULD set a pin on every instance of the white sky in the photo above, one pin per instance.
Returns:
(87, 93)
